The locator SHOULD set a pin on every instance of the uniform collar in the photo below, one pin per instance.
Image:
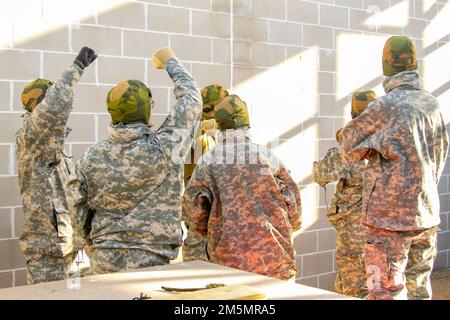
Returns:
(120, 132)
(405, 78)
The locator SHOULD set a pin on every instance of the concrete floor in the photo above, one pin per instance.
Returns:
(440, 281)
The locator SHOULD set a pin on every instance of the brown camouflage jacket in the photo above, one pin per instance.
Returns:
(404, 137)
(247, 204)
(347, 198)
(44, 170)
(127, 189)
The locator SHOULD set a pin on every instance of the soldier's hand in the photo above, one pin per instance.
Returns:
(85, 57)
(209, 125)
(161, 56)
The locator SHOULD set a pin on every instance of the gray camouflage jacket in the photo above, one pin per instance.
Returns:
(347, 199)
(44, 170)
(127, 189)
(404, 137)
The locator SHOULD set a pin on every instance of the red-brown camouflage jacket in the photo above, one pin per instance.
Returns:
(247, 204)
(403, 136)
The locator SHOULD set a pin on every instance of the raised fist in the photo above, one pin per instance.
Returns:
(85, 57)
(161, 56)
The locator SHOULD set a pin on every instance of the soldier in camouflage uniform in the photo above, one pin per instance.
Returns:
(206, 141)
(48, 240)
(244, 200)
(127, 189)
(194, 246)
(345, 213)
(403, 136)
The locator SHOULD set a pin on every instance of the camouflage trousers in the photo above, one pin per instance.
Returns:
(114, 260)
(194, 247)
(350, 239)
(399, 264)
(45, 268)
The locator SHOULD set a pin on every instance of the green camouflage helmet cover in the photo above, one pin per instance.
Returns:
(34, 93)
(210, 95)
(231, 113)
(399, 54)
(129, 102)
(361, 100)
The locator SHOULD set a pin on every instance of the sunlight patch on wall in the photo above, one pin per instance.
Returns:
(426, 4)
(310, 212)
(438, 28)
(358, 61)
(379, 89)
(299, 152)
(23, 20)
(395, 16)
(436, 68)
(282, 97)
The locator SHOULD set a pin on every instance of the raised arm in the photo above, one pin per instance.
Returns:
(328, 169)
(49, 118)
(184, 117)
(177, 132)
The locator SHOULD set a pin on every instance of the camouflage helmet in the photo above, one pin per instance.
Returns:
(231, 113)
(337, 133)
(211, 94)
(361, 100)
(399, 54)
(129, 102)
(34, 93)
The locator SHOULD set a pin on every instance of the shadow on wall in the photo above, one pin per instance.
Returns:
(296, 77)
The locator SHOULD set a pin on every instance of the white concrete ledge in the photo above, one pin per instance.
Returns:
(193, 274)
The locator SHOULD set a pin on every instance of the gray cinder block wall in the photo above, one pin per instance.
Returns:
(295, 63)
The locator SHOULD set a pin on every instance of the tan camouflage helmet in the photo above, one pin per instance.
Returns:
(361, 100)
(399, 54)
(210, 95)
(130, 101)
(231, 113)
(34, 93)
(337, 134)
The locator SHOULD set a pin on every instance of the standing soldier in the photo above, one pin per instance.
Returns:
(345, 212)
(47, 240)
(194, 246)
(403, 136)
(127, 189)
(243, 200)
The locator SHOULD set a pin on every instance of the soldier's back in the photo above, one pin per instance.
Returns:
(248, 226)
(134, 190)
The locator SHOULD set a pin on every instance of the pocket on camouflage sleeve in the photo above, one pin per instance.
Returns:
(380, 276)
(377, 265)
(63, 221)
